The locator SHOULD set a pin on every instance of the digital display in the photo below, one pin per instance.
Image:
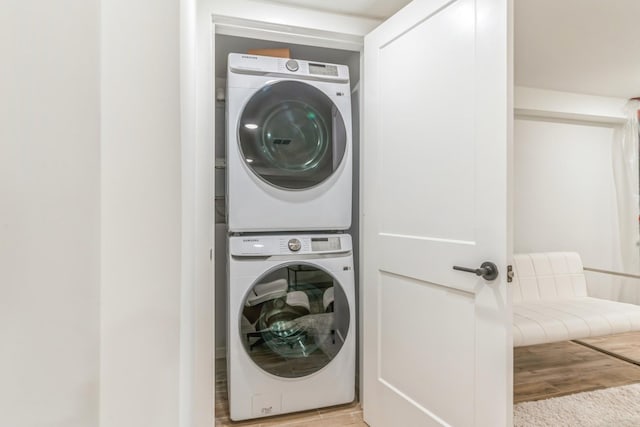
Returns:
(323, 69)
(325, 244)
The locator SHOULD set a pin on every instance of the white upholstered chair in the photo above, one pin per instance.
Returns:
(551, 303)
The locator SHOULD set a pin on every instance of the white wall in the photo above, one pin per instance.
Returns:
(564, 191)
(564, 186)
(140, 213)
(49, 213)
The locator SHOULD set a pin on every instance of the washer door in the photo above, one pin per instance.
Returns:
(291, 135)
(294, 320)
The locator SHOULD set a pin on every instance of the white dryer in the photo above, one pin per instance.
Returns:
(289, 150)
(291, 326)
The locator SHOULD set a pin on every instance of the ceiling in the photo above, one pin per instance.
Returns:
(583, 46)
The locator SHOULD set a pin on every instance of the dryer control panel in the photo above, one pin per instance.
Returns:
(256, 64)
(289, 244)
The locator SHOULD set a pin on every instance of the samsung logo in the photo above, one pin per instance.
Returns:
(249, 57)
(250, 240)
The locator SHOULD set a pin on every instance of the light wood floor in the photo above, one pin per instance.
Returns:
(625, 346)
(550, 370)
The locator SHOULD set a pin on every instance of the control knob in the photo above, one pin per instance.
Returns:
(295, 245)
(292, 65)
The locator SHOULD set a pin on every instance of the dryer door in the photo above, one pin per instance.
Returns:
(294, 320)
(291, 135)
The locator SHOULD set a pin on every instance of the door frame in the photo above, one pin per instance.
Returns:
(197, 371)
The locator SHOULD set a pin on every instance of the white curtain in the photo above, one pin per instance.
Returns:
(626, 176)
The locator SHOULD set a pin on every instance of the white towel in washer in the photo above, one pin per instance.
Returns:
(298, 299)
(327, 298)
(267, 291)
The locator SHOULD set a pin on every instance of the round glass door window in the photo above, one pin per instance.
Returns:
(294, 321)
(292, 135)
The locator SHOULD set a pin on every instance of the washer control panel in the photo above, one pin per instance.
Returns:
(289, 244)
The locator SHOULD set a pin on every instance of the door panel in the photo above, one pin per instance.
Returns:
(437, 342)
(423, 121)
(409, 310)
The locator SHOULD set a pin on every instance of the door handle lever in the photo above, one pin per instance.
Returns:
(488, 270)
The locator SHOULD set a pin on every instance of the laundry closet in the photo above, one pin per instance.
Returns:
(286, 212)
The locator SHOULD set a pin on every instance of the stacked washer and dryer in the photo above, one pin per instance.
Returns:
(291, 289)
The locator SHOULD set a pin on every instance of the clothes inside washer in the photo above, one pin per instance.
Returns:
(267, 291)
(293, 332)
(327, 300)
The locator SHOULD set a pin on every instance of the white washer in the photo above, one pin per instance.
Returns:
(289, 150)
(291, 325)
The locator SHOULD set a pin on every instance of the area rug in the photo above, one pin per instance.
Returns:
(611, 407)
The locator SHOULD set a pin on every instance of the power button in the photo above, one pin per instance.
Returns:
(292, 65)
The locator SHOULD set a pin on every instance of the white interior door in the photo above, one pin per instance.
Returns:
(437, 121)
